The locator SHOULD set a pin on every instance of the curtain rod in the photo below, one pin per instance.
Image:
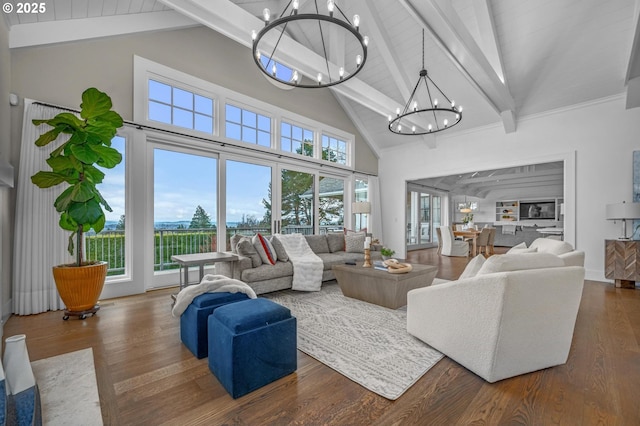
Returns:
(221, 144)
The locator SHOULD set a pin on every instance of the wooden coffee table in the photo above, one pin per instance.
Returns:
(380, 287)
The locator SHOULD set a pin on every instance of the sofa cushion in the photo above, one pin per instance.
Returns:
(233, 242)
(520, 261)
(338, 258)
(279, 248)
(318, 243)
(549, 245)
(267, 272)
(335, 241)
(245, 248)
(517, 249)
(265, 249)
(473, 267)
(354, 243)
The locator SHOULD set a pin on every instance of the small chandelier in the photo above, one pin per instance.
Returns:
(424, 114)
(331, 36)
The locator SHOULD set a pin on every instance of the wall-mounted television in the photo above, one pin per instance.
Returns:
(537, 210)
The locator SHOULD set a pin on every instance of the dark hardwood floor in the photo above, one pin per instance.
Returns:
(147, 377)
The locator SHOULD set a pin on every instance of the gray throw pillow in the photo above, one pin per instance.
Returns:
(335, 241)
(318, 243)
(354, 243)
(279, 248)
(233, 241)
(245, 248)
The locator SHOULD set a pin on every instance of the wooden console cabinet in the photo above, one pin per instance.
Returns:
(622, 262)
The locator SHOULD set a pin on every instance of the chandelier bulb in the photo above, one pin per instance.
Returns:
(266, 14)
(356, 21)
(399, 128)
(446, 122)
(397, 112)
(459, 108)
(258, 55)
(430, 127)
(453, 104)
(295, 76)
(319, 78)
(341, 72)
(413, 129)
(358, 60)
(254, 35)
(415, 105)
(274, 69)
(295, 5)
(390, 118)
(457, 116)
(435, 102)
(366, 40)
(330, 6)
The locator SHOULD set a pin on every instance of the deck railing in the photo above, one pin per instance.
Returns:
(109, 246)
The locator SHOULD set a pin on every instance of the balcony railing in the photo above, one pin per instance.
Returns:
(109, 246)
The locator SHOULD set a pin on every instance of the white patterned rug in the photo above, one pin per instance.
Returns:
(367, 343)
(68, 389)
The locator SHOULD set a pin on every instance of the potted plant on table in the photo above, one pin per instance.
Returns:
(81, 204)
(387, 253)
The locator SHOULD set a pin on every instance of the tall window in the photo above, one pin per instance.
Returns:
(172, 105)
(334, 150)
(331, 208)
(247, 126)
(109, 245)
(295, 139)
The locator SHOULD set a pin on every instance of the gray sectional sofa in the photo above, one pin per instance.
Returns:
(265, 278)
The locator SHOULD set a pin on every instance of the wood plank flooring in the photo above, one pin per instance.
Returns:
(147, 377)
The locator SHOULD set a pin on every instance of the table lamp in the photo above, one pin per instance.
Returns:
(623, 211)
(360, 208)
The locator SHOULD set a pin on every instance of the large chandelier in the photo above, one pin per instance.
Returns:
(427, 111)
(332, 36)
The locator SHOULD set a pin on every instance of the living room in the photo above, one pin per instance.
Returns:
(594, 138)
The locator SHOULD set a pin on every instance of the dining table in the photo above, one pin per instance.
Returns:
(469, 235)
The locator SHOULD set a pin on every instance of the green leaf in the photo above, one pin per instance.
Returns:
(94, 103)
(93, 174)
(64, 200)
(84, 153)
(83, 191)
(99, 224)
(109, 157)
(70, 245)
(85, 213)
(67, 223)
(100, 135)
(77, 165)
(56, 152)
(48, 137)
(108, 119)
(47, 179)
(102, 201)
(59, 163)
(78, 137)
(65, 120)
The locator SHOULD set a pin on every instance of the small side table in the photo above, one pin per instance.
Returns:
(199, 260)
(622, 262)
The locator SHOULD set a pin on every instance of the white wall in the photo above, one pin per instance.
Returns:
(602, 135)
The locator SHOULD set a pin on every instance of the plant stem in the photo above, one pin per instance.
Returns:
(79, 248)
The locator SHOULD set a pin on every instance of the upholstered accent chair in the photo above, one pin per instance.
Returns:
(451, 246)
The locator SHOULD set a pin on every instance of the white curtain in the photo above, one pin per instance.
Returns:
(39, 243)
(375, 219)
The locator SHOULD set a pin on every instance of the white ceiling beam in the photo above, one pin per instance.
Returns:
(379, 38)
(632, 79)
(49, 32)
(449, 33)
(235, 23)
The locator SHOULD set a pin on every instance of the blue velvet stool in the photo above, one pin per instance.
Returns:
(251, 343)
(193, 321)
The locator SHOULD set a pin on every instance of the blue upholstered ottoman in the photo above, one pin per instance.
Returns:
(251, 343)
(193, 321)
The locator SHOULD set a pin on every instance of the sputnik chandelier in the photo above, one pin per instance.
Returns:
(424, 114)
(332, 36)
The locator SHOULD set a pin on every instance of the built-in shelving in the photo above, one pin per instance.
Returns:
(507, 210)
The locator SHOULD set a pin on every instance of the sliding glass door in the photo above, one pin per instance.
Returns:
(297, 202)
(423, 216)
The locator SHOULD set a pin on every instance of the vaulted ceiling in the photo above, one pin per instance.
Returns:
(501, 59)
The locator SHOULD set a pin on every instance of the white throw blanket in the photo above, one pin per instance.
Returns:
(509, 229)
(209, 284)
(307, 266)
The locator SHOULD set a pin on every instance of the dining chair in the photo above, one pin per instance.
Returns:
(451, 246)
(492, 237)
(482, 241)
(439, 234)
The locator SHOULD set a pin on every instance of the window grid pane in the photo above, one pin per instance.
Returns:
(175, 106)
(334, 150)
(253, 127)
(296, 139)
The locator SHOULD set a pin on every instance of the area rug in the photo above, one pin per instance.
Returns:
(367, 343)
(68, 389)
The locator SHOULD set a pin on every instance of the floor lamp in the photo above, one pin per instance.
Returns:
(360, 208)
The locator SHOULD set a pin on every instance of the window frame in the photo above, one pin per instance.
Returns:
(258, 114)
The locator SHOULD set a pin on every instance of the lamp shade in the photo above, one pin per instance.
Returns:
(623, 211)
(361, 207)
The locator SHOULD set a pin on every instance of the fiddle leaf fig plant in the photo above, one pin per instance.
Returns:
(74, 163)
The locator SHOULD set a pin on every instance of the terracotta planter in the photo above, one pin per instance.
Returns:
(80, 286)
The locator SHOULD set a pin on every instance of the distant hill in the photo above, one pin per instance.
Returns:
(111, 224)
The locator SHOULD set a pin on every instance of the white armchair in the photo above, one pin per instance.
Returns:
(451, 246)
(503, 324)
